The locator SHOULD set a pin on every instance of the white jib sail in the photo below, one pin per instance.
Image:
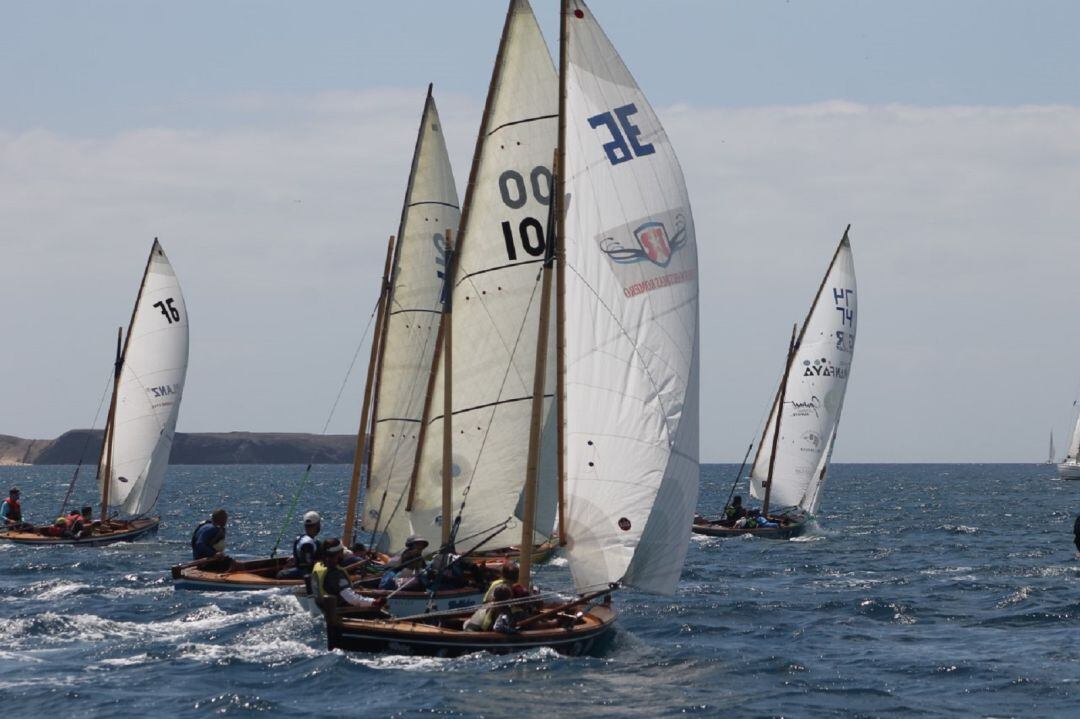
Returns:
(431, 207)
(815, 393)
(1074, 443)
(631, 327)
(150, 387)
(496, 300)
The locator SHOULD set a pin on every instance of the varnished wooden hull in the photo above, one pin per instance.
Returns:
(541, 553)
(406, 637)
(232, 575)
(125, 531)
(793, 529)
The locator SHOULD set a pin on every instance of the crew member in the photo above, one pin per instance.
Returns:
(328, 579)
(306, 549)
(11, 510)
(208, 539)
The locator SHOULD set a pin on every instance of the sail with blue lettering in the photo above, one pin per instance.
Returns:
(496, 304)
(149, 389)
(411, 328)
(814, 394)
(631, 329)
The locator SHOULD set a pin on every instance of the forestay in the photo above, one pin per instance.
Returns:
(412, 322)
(148, 394)
(496, 300)
(814, 394)
(631, 330)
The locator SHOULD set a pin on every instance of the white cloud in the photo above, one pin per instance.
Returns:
(964, 232)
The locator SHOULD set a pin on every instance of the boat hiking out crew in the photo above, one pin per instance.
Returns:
(208, 539)
(328, 579)
(11, 510)
(508, 575)
(306, 549)
(57, 529)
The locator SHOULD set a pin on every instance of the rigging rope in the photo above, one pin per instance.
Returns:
(82, 452)
(333, 408)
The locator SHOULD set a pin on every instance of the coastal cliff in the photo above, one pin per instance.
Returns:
(193, 448)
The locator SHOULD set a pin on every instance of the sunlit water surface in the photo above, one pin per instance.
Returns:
(926, 590)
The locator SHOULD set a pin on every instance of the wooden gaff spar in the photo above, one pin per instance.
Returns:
(629, 381)
(148, 382)
(796, 445)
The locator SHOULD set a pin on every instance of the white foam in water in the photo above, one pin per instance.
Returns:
(558, 562)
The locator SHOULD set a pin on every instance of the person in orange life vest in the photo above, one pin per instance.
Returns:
(11, 510)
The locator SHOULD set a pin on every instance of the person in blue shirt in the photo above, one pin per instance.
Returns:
(208, 540)
(307, 550)
(11, 511)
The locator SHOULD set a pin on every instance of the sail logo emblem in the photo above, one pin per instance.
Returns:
(654, 244)
(812, 438)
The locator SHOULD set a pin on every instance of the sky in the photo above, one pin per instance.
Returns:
(267, 144)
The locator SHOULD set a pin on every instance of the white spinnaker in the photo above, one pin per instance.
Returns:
(412, 324)
(815, 391)
(496, 300)
(150, 387)
(1074, 443)
(631, 328)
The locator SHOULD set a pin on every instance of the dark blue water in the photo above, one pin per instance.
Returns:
(928, 590)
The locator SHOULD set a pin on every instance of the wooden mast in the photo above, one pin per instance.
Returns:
(532, 467)
(366, 408)
(558, 197)
(779, 414)
(106, 449)
(448, 401)
(105, 461)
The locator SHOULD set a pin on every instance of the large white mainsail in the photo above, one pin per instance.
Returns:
(814, 394)
(411, 327)
(1073, 453)
(496, 299)
(147, 396)
(631, 331)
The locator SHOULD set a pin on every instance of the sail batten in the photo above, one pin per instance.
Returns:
(631, 325)
(412, 320)
(814, 393)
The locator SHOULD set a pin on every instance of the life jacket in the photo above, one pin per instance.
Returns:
(298, 543)
(318, 574)
(14, 512)
(195, 534)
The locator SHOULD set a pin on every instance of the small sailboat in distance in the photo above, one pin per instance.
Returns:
(1050, 455)
(796, 445)
(1070, 466)
(148, 382)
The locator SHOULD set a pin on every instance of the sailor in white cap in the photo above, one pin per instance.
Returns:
(306, 549)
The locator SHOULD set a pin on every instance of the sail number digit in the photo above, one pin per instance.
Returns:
(171, 313)
(845, 341)
(515, 194)
(624, 145)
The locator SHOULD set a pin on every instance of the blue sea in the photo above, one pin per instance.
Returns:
(927, 590)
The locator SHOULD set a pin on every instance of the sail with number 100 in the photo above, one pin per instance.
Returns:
(496, 305)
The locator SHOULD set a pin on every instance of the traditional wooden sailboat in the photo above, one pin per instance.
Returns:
(796, 445)
(401, 356)
(623, 258)
(1070, 466)
(151, 363)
